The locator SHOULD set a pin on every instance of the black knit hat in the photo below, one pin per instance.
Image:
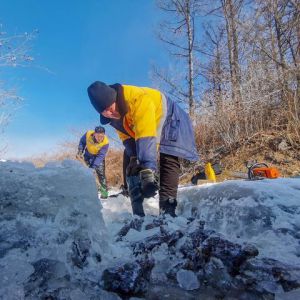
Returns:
(99, 129)
(101, 95)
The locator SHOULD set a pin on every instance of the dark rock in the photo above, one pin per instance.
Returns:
(231, 254)
(225, 250)
(249, 251)
(215, 274)
(170, 238)
(269, 276)
(47, 273)
(80, 252)
(128, 279)
(199, 234)
(157, 222)
(136, 224)
(193, 254)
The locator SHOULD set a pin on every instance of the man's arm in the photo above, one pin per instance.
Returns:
(82, 143)
(145, 132)
(145, 137)
(100, 156)
(129, 144)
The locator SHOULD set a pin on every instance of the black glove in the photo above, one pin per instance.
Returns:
(133, 167)
(149, 185)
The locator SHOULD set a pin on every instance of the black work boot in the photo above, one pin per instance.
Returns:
(136, 196)
(168, 206)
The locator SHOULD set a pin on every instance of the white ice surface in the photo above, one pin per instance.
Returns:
(265, 213)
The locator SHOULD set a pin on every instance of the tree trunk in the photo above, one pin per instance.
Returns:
(190, 37)
(230, 14)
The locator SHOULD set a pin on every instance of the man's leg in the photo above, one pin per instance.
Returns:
(136, 196)
(134, 187)
(169, 179)
(126, 161)
(102, 180)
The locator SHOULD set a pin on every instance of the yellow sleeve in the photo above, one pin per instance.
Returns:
(145, 132)
(143, 115)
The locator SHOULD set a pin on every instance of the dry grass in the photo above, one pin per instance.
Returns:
(114, 167)
(265, 148)
(276, 148)
(114, 161)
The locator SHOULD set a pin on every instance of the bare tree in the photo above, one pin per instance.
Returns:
(178, 33)
(231, 10)
(14, 52)
(251, 66)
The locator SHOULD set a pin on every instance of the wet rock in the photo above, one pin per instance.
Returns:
(48, 278)
(128, 279)
(164, 236)
(215, 274)
(231, 254)
(191, 248)
(157, 222)
(198, 235)
(80, 252)
(268, 276)
(136, 224)
(193, 254)
(249, 251)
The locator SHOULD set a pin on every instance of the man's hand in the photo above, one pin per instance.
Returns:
(124, 190)
(79, 154)
(149, 185)
(133, 167)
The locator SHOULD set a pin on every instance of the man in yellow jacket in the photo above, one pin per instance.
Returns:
(93, 147)
(147, 123)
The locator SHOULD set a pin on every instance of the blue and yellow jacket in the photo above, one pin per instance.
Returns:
(94, 153)
(150, 122)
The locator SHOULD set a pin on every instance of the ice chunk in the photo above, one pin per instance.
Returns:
(292, 295)
(135, 236)
(51, 228)
(265, 213)
(187, 280)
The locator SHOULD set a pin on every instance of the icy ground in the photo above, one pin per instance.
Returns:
(233, 240)
(265, 213)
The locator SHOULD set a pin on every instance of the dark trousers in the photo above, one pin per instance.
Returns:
(169, 167)
(126, 160)
(100, 171)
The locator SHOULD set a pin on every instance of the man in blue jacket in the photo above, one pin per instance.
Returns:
(93, 147)
(149, 124)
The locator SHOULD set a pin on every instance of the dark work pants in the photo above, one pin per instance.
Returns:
(126, 160)
(100, 171)
(169, 177)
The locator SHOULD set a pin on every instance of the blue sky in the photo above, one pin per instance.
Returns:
(79, 42)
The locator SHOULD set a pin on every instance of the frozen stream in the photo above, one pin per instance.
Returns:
(59, 241)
